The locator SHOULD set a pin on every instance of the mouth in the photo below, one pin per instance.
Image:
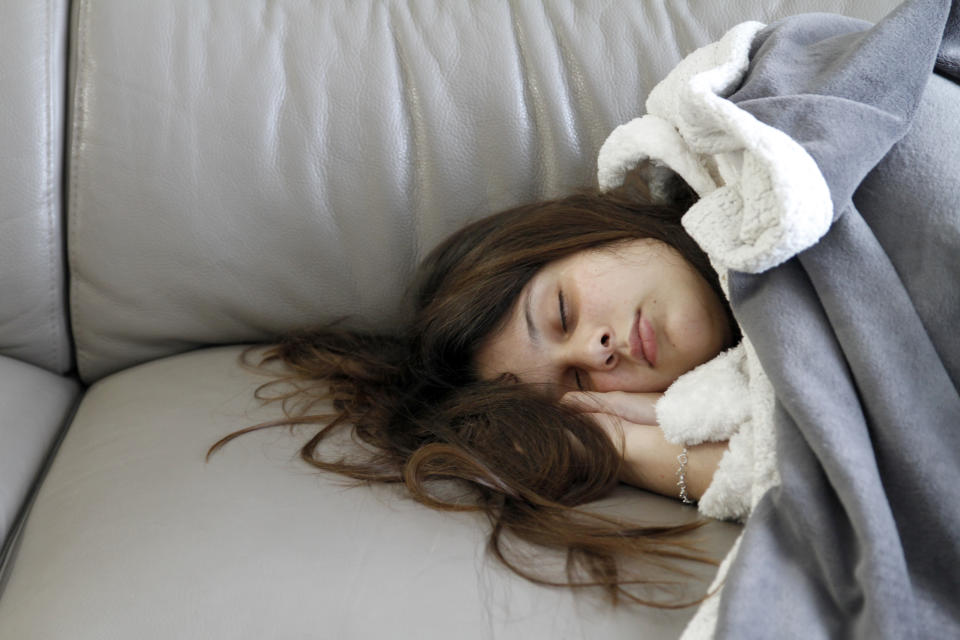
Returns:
(643, 340)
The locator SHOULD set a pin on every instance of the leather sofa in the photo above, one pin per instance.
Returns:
(181, 178)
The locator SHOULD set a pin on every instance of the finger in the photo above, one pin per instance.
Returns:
(583, 401)
(612, 426)
(635, 407)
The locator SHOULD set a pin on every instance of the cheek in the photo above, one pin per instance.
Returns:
(697, 337)
(686, 322)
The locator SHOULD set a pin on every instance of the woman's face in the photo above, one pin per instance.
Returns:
(630, 317)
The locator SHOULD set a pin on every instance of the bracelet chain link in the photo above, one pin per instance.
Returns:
(682, 459)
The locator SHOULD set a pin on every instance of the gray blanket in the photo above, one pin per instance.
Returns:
(859, 336)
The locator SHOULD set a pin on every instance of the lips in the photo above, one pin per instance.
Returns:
(643, 340)
(648, 338)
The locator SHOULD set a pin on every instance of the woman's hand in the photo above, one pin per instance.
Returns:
(633, 407)
(650, 462)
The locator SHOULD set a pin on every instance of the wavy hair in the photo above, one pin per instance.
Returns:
(415, 399)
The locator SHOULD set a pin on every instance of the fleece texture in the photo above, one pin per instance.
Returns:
(762, 197)
(727, 398)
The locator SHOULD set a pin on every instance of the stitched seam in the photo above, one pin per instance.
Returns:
(77, 121)
(50, 200)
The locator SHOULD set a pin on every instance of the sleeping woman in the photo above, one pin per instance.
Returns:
(530, 371)
(558, 348)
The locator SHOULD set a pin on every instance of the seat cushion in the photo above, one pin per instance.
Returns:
(36, 407)
(133, 534)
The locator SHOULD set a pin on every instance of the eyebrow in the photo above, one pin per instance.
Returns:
(528, 315)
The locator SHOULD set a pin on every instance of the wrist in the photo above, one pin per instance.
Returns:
(651, 462)
(648, 459)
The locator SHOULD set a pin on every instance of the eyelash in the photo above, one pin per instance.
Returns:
(576, 377)
(563, 312)
(563, 325)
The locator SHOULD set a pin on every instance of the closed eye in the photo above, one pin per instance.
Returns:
(578, 380)
(563, 311)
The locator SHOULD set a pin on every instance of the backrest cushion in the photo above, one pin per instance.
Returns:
(33, 318)
(240, 169)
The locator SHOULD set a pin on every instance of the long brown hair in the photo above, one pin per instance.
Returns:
(527, 462)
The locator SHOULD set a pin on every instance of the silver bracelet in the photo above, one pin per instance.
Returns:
(682, 477)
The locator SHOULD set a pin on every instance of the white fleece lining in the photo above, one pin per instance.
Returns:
(768, 200)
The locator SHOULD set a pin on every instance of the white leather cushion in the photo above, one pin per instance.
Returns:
(133, 535)
(36, 406)
(241, 169)
(33, 63)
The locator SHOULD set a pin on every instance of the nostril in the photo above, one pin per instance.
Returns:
(605, 340)
(610, 360)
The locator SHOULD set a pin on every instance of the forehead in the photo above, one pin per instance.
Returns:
(623, 254)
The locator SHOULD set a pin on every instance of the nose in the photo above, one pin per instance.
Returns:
(596, 351)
